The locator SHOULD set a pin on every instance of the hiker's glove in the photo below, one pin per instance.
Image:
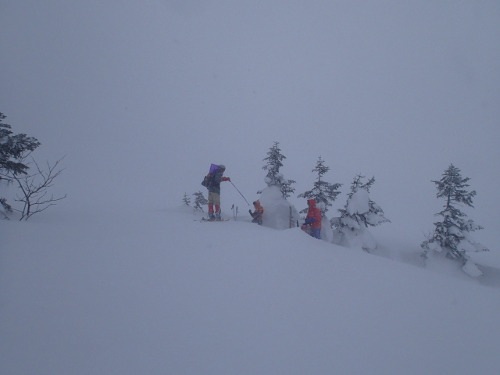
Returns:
(310, 220)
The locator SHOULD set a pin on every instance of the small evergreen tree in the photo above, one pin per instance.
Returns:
(359, 210)
(199, 202)
(274, 161)
(451, 234)
(323, 192)
(359, 213)
(186, 200)
(13, 150)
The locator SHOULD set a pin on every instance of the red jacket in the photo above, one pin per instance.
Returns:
(313, 213)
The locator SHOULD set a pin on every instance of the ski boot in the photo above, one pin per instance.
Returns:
(211, 216)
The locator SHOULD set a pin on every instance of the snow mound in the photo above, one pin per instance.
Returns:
(278, 212)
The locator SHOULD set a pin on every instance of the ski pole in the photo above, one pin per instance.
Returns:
(239, 192)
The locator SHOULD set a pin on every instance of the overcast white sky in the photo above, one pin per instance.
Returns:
(141, 96)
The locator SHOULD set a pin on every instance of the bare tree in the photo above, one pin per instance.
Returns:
(35, 187)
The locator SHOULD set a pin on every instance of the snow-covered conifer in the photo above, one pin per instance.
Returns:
(199, 201)
(186, 200)
(323, 192)
(274, 161)
(13, 150)
(358, 214)
(452, 234)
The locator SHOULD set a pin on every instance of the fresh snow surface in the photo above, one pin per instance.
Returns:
(156, 292)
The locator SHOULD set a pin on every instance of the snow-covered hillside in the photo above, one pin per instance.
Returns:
(142, 96)
(156, 292)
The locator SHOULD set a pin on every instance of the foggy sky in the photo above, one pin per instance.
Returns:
(141, 96)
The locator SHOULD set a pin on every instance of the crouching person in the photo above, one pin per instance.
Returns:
(257, 213)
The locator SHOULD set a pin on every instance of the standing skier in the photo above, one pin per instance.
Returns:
(313, 219)
(213, 186)
(258, 212)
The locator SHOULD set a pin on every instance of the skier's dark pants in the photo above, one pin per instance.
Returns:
(316, 233)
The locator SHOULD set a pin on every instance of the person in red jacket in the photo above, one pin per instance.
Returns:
(313, 219)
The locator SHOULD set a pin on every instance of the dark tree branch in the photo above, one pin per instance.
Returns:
(34, 189)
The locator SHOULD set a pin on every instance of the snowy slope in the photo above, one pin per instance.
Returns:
(156, 292)
(142, 96)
